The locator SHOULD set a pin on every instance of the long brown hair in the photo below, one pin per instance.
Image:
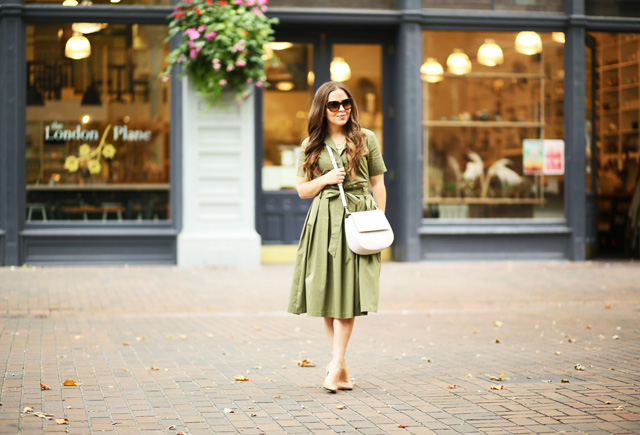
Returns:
(317, 129)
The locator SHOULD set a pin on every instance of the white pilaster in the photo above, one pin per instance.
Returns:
(218, 170)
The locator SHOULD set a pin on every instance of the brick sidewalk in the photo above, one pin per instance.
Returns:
(425, 361)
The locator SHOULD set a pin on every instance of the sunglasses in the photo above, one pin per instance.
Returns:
(334, 106)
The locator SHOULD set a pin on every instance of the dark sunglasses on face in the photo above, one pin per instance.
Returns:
(334, 106)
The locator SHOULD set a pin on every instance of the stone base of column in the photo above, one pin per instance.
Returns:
(229, 249)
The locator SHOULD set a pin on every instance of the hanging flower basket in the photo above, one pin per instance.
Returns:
(222, 46)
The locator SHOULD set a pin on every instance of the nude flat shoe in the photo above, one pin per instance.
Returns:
(345, 385)
(332, 388)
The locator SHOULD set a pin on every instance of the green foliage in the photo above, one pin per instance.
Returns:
(222, 46)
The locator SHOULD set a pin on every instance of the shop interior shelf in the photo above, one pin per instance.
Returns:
(512, 124)
(442, 200)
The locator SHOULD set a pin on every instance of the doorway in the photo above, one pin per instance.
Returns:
(614, 82)
(301, 68)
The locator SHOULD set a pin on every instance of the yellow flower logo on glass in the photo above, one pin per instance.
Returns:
(109, 151)
(94, 166)
(71, 164)
(84, 150)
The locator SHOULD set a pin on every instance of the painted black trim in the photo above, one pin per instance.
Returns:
(35, 12)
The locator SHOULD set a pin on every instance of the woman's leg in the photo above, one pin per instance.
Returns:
(339, 332)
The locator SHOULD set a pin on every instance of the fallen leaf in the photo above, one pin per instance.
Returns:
(608, 402)
(124, 343)
(44, 387)
(498, 323)
(62, 421)
(607, 306)
(616, 337)
(401, 426)
(27, 410)
(125, 370)
(579, 367)
(564, 381)
(619, 408)
(257, 329)
(497, 387)
(306, 363)
(469, 375)
(341, 407)
(452, 386)
(228, 410)
(254, 415)
(62, 356)
(78, 337)
(183, 337)
(548, 381)
(558, 353)
(140, 338)
(498, 341)
(502, 376)
(71, 383)
(572, 340)
(421, 347)
(155, 369)
(241, 378)
(172, 427)
(589, 327)
(277, 396)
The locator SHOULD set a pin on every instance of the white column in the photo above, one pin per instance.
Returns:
(218, 192)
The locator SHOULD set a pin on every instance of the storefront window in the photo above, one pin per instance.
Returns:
(364, 4)
(493, 125)
(285, 109)
(97, 123)
(498, 5)
(107, 2)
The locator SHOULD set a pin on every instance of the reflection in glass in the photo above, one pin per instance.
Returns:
(493, 133)
(97, 126)
(285, 110)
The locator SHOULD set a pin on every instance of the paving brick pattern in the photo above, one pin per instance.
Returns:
(157, 348)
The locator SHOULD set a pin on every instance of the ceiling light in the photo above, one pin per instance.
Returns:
(77, 47)
(528, 43)
(69, 3)
(87, 27)
(490, 53)
(432, 71)
(284, 86)
(311, 78)
(280, 45)
(558, 37)
(458, 62)
(340, 70)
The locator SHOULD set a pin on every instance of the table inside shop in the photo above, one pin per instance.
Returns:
(484, 207)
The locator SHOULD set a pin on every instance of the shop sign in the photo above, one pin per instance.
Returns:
(57, 133)
(543, 156)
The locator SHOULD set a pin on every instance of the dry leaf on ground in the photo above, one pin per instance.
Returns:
(44, 387)
(241, 378)
(62, 421)
(564, 381)
(607, 306)
(277, 396)
(401, 426)
(579, 367)
(228, 411)
(452, 386)
(498, 323)
(497, 387)
(155, 369)
(70, 383)
(498, 341)
(306, 363)
(140, 338)
(124, 343)
(27, 410)
(619, 408)
(572, 340)
(500, 378)
(341, 407)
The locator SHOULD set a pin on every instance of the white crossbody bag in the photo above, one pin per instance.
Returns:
(368, 232)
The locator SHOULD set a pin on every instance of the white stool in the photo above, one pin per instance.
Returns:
(37, 207)
(116, 205)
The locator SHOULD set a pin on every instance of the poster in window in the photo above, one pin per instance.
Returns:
(532, 156)
(553, 157)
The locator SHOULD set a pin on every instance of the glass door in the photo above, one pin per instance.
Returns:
(301, 67)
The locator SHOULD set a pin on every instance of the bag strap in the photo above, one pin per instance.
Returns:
(340, 187)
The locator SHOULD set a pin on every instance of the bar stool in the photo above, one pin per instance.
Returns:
(116, 207)
(39, 207)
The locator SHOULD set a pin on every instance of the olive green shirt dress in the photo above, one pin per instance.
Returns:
(329, 279)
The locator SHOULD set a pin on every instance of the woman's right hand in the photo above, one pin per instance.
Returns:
(335, 176)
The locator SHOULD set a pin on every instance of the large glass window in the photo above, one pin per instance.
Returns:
(493, 125)
(97, 123)
(613, 8)
(105, 2)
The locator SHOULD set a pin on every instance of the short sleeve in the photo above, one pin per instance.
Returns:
(376, 164)
(301, 157)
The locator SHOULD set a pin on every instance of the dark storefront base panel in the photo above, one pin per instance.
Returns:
(2, 241)
(495, 247)
(112, 250)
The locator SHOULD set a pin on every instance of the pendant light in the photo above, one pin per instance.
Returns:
(528, 43)
(490, 53)
(87, 27)
(77, 47)
(431, 71)
(558, 37)
(340, 70)
(69, 3)
(458, 62)
(280, 45)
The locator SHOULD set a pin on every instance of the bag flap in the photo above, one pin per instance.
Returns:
(367, 221)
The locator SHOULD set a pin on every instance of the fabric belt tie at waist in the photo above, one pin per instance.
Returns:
(329, 207)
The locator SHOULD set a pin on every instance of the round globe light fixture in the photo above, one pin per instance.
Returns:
(528, 43)
(340, 70)
(458, 62)
(490, 53)
(432, 71)
(558, 37)
(77, 47)
(87, 27)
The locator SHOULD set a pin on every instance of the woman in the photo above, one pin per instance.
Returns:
(329, 280)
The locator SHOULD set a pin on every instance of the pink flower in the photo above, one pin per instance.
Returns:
(192, 33)
(230, 67)
(250, 2)
(222, 82)
(181, 58)
(201, 28)
(259, 84)
(239, 46)
(241, 63)
(165, 79)
(187, 2)
(210, 35)
(263, 2)
(193, 53)
(237, 2)
(190, 44)
(249, 80)
(245, 95)
(258, 12)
